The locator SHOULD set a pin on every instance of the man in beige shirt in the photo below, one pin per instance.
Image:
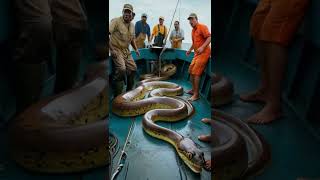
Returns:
(122, 34)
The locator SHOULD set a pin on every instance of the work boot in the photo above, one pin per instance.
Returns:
(29, 83)
(130, 80)
(118, 88)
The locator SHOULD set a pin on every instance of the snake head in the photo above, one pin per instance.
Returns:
(191, 155)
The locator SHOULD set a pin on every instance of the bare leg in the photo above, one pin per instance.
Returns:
(192, 82)
(259, 94)
(195, 88)
(276, 63)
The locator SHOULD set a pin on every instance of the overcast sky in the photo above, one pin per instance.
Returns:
(165, 8)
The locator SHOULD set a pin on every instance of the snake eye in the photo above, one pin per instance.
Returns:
(189, 155)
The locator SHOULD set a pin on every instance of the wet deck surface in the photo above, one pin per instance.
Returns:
(154, 159)
(295, 152)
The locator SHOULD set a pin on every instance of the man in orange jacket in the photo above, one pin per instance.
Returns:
(201, 38)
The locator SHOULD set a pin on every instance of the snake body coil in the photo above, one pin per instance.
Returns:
(158, 108)
(222, 91)
(65, 133)
(238, 150)
(166, 72)
(236, 137)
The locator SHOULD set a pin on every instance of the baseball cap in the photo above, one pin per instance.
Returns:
(128, 6)
(192, 15)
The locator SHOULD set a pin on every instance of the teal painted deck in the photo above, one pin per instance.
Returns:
(294, 149)
(294, 139)
(154, 159)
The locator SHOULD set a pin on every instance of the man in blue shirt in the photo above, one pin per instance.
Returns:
(142, 29)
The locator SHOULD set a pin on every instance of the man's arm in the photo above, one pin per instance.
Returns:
(133, 44)
(206, 43)
(206, 33)
(171, 37)
(136, 29)
(191, 48)
(182, 35)
(152, 34)
(112, 28)
(148, 33)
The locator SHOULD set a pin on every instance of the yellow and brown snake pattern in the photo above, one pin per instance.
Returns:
(163, 105)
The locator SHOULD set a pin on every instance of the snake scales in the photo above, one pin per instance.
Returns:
(161, 108)
(64, 133)
(238, 150)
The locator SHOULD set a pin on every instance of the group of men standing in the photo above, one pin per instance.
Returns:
(159, 33)
(124, 33)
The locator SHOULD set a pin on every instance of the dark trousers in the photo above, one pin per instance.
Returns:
(44, 25)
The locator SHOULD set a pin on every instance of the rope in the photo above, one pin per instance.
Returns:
(164, 48)
(180, 11)
(172, 19)
(123, 154)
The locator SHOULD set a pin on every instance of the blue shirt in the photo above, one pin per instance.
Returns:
(140, 28)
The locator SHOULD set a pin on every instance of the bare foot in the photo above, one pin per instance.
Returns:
(205, 138)
(190, 92)
(268, 114)
(207, 165)
(194, 98)
(206, 120)
(255, 96)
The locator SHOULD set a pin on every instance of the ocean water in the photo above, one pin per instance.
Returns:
(166, 8)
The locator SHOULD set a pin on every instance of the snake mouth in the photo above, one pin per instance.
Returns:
(194, 167)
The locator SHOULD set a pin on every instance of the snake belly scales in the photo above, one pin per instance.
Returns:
(163, 105)
(65, 133)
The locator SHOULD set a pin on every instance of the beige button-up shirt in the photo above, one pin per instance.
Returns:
(122, 33)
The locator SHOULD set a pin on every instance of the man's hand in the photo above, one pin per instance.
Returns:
(200, 50)
(138, 53)
(149, 45)
(188, 52)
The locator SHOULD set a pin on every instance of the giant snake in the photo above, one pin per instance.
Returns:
(64, 133)
(160, 108)
(238, 150)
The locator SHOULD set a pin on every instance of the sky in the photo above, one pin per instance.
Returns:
(166, 8)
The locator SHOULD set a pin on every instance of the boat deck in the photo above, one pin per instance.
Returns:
(153, 159)
(295, 151)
